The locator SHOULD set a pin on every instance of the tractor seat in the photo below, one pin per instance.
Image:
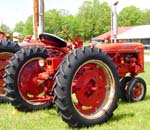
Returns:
(52, 40)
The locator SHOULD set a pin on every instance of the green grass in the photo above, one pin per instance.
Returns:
(128, 116)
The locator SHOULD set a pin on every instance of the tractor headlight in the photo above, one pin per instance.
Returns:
(41, 62)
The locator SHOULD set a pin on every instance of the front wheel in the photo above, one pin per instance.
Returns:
(124, 85)
(86, 87)
(136, 90)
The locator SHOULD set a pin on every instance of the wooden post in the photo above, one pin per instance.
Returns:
(35, 18)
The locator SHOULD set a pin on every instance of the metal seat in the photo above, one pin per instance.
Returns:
(52, 40)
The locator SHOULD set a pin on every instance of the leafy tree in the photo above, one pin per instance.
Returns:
(53, 19)
(130, 16)
(4, 28)
(71, 24)
(94, 18)
(84, 18)
(103, 22)
(28, 26)
(19, 27)
(146, 17)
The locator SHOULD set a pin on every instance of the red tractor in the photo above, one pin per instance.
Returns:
(7, 49)
(83, 81)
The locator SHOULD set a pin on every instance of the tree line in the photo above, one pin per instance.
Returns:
(92, 19)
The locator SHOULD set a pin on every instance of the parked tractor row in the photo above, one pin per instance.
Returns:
(84, 82)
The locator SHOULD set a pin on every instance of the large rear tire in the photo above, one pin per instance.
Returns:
(87, 86)
(7, 49)
(21, 80)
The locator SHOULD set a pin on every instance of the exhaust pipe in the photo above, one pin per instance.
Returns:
(114, 22)
(41, 17)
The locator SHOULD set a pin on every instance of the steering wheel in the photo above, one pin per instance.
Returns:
(65, 28)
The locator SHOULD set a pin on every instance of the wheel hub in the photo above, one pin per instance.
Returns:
(28, 83)
(90, 88)
(137, 91)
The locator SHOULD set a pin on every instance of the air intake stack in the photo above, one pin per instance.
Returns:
(114, 22)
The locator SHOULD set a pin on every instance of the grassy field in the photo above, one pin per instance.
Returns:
(128, 116)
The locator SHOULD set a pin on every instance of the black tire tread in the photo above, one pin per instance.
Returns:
(123, 86)
(63, 76)
(10, 78)
(130, 87)
(11, 47)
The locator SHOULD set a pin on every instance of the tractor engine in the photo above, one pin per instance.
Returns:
(129, 58)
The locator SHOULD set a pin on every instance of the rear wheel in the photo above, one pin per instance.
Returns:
(22, 80)
(7, 49)
(86, 87)
(136, 90)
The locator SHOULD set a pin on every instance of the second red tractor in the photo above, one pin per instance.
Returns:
(7, 49)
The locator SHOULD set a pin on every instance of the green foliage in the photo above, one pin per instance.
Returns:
(53, 19)
(72, 24)
(19, 27)
(130, 16)
(85, 19)
(146, 19)
(104, 20)
(4, 28)
(28, 26)
(93, 19)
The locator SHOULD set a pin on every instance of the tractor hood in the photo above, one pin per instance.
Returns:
(121, 47)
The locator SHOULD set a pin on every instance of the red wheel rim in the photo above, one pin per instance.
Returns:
(92, 89)
(138, 91)
(30, 90)
(4, 59)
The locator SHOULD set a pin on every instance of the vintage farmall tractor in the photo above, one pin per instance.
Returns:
(82, 81)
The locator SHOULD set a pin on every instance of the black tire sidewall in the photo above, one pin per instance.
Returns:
(8, 47)
(28, 53)
(70, 72)
(124, 86)
(131, 85)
